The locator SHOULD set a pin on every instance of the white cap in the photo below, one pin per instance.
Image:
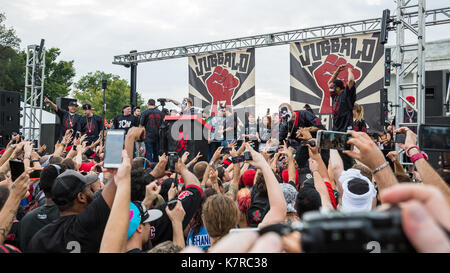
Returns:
(352, 202)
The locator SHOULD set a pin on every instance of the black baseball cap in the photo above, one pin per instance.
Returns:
(68, 184)
(87, 107)
(73, 103)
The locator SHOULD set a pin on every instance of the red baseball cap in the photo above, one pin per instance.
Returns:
(248, 177)
(411, 99)
(285, 176)
(86, 167)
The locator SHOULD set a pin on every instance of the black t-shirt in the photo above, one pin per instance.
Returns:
(303, 119)
(33, 221)
(342, 109)
(68, 121)
(125, 122)
(161, 229)
(152, 119)
(360, 126)
(81, 233)
(92, 126)
(408, 117)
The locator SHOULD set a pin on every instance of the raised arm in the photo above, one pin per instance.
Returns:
(115, 235)
(52, 105)
(336, 73)
(427, 173)
(372, 157)
(176, 216)
(277, 212)
(351, 79)
(18, 191)
(319, 184)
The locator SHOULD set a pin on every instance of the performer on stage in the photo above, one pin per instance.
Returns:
(298, 126)
(126, 120)
(69, 120)
(343, 100)
(90, 124)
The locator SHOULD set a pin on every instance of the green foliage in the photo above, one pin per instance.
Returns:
(8, 37)
(89, 90)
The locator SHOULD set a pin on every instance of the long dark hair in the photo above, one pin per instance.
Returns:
(197, 221)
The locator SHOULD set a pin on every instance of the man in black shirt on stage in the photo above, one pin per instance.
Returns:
(90, 124)
(126, 120)
(293, 124)
(343, 100)
(151, 119)
(69, 120)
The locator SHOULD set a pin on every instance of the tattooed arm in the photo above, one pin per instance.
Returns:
(18, 191)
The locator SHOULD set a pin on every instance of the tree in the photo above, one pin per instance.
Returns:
(89, 90)
(12, 66)
(8, 37)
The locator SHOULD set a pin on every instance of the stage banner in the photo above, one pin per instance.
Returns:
(313, 63)
(224, 79)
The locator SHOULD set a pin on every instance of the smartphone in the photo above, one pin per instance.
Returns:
(226, 150)
(434, 138)
(17, 168)
(113, 149)
(36, 174)
(333, 140)
(173, 159)
(400, 138)
(247, 156)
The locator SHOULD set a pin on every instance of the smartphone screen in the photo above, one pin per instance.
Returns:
(113, 148)
(17, 168)
(400, 138)
(333, 140)
(434, 138)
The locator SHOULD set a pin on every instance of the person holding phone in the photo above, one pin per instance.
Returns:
(68, 119)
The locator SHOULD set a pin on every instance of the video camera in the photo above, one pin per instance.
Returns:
(374, 231)
(162, 102)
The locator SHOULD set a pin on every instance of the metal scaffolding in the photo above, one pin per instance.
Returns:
(430, 17)
(33, 95)
(417, 64)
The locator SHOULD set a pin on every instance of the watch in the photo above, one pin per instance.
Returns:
(418, 156)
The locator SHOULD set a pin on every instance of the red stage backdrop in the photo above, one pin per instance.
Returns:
(313, 64)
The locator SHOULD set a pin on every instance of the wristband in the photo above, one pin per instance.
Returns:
(418, 156)
(414, 146)
(382, 166)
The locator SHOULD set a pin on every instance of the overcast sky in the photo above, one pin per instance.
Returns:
(91, 32)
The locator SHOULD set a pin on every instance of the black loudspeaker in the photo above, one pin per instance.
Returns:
(383, 105)
(49, 136)
(387, 67)
(385, 20)
(9, 115)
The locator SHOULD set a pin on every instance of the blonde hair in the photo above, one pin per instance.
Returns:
(359, 112)
(219, 214)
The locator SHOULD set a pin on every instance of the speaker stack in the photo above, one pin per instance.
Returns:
(9, 115)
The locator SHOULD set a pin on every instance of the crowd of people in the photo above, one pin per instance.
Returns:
(273, 174)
